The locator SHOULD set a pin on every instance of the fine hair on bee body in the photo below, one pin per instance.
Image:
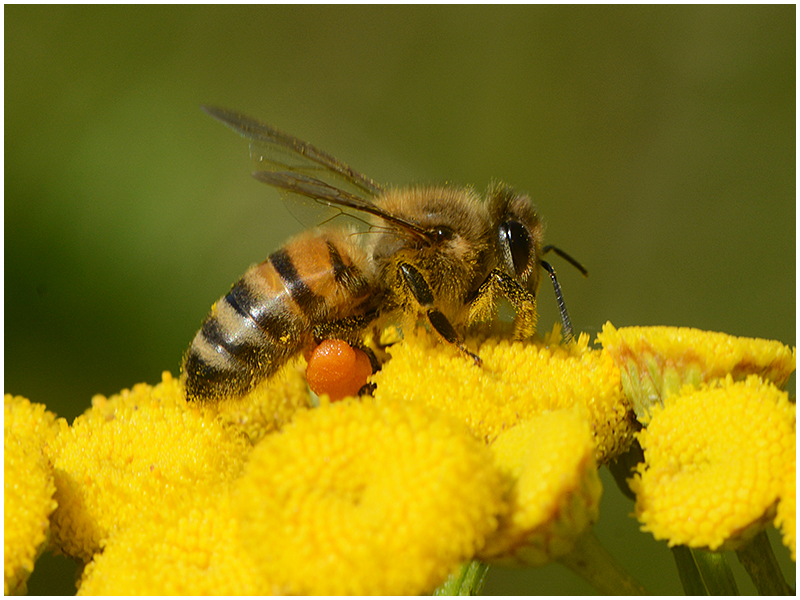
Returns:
(439, 254)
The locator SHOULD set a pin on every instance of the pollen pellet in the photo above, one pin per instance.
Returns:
(337, 369)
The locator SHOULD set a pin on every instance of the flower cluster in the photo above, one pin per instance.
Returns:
(719, 440)
(518, 381)
(556, 490)
(405, 494)
(446, 463)
(131, 455)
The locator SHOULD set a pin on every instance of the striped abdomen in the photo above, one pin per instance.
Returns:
(269, 314)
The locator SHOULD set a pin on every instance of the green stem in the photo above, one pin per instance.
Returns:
(467, 581)
(704, 573)
(760, 563)
(691, 579)
(716, 573)
(594, 564)
(624, 467)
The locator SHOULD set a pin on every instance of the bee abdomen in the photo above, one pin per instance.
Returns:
(247, 336)
(268, 315)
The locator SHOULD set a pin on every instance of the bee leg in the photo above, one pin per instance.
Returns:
(424, 296)
(500, 284)
(347, 329)
(373, 360)
(368, 389)
(443, 327)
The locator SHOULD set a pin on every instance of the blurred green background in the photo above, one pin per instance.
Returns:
(658, 143)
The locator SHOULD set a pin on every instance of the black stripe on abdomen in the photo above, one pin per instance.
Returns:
(271, 316)
(310, 303)
(233, 351)
(348, 276)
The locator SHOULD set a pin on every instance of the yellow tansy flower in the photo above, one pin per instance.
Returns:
(786, 517)
(715, 461)
(517, 381)
(28, 488)
(556, 490)
(188, 546)
(130, 452)
(365, 498)
(270, 405)
(657, 361)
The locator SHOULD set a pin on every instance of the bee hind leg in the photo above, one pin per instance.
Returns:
(349, 329)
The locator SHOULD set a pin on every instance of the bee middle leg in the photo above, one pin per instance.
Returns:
(443, 327)
(424, 296)
(499, 284)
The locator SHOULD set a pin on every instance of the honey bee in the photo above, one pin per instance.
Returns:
(436, 254)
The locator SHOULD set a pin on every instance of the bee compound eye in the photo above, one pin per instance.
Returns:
(445, 233)
(442, 233)
(516, 245)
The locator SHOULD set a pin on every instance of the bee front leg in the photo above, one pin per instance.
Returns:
(500, 284)
(424, 296)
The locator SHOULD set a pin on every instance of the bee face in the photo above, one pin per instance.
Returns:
(440, 254)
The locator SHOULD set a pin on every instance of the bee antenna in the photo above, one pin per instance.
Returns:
(567, 258)
(562, 307)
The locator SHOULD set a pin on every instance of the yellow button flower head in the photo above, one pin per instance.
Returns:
(556, 491)
(715, 461)
(786, 518)
(270, 405)
(517, 381)
(130, 453)
(359, 498)
(188, 546)
(657, 361)
(28, 488)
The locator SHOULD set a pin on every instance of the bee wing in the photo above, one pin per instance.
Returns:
(329, 195)
(299, 169)
(276, 151)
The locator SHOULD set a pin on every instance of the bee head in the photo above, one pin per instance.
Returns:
(440, 219)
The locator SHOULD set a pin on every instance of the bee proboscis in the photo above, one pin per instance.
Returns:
(439, 254)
